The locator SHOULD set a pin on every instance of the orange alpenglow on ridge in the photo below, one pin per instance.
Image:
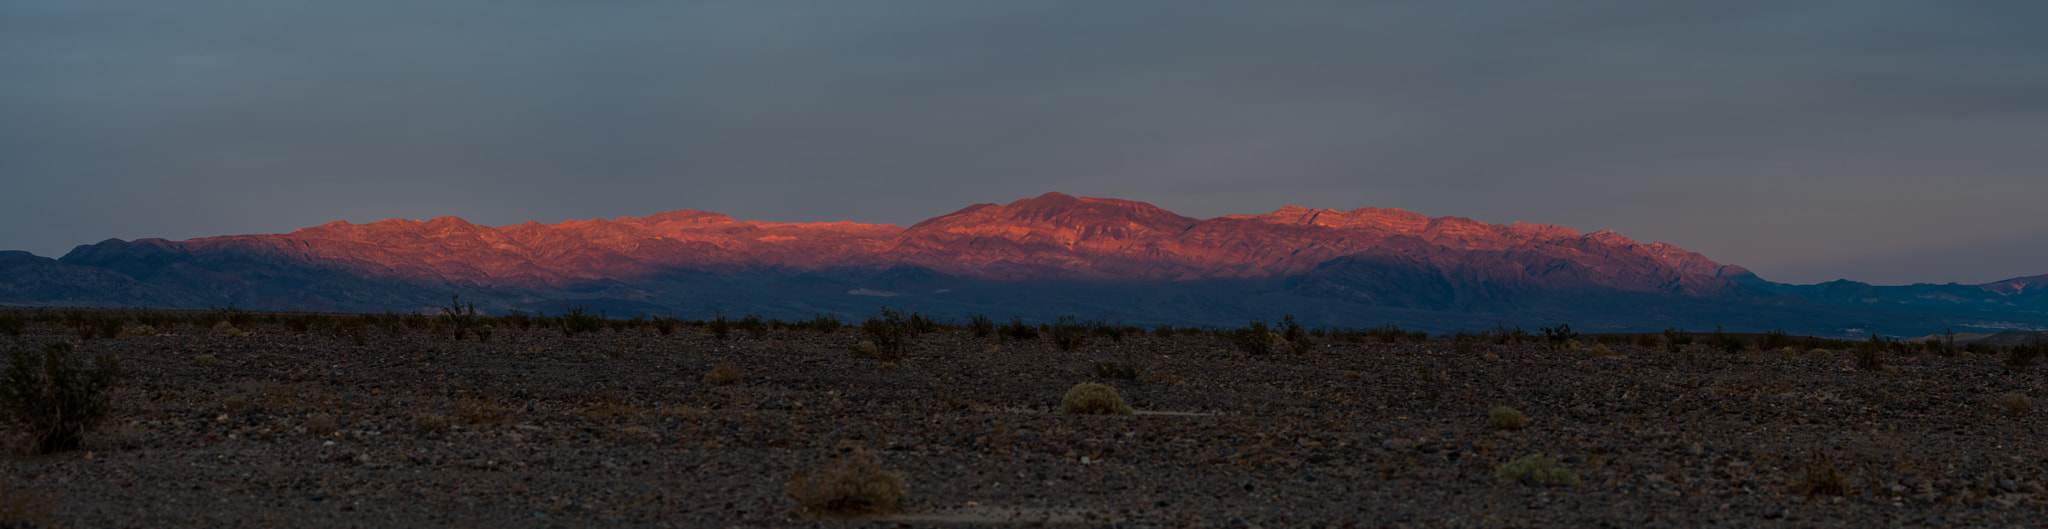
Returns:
(1052, 236)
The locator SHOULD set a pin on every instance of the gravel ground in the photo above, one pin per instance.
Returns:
(624, 429)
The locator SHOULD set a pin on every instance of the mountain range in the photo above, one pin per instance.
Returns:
(1036, 258)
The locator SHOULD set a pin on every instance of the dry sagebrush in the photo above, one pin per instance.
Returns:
(856, 484)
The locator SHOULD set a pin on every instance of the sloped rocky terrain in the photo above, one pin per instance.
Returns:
(624, 428)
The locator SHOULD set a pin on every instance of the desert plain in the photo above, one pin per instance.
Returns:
(315, 423)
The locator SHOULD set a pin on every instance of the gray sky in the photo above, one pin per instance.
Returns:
(1882, 141)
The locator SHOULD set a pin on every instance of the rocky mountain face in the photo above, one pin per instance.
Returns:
(1036, 257)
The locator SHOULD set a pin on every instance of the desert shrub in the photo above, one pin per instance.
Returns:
(2016, 403)
(1502, 334)
(1016, 329)
(12, 324)
(1090, 398)
(517, 318)
(981, 326)
(1387, 333)
(236, 402)
(889, 332)
(1600, 350)
(1870, 354)
(1647, 340)
(1821, 477)
(855, 484)
(824, 324)
(1163, 331)
(1776, 339)
(139, 331)
(1537, 470)
(228, 329)
(1291, 330)
(321, 424)
(1676, 338)
(1558, 337)
(1295, 337)
(753, 325)
(429, 422)
(2023, 356)
(1254, 339)
(666, 325)
(577, 319)
(1068, 334)
(90, 325)
(722, 374)
(1116, 371)
(1727, 343)
(234, 315)
(1113, 331)
(206, 360)
(58, 399)
(866, 349)
(719, 326)
(1506, 418)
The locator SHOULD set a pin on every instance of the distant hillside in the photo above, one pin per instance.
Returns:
(1036, 258)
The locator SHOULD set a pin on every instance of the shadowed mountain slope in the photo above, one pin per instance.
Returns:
(1036, 257)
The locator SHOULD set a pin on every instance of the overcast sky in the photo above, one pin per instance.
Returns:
(1882, 141)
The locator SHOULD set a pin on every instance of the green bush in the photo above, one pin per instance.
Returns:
(1537, 470)
(981, 326)
(1090, 398)
(57, 398)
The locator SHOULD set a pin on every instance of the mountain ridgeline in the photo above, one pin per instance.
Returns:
(1035, 258)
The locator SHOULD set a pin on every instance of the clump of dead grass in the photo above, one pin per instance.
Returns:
(1090, 398)
(429, 422)
(1537, 470)
(482, 412)
(228, 330)
(724, 373)
(2016, 403)
(855, 484)
(1821, 477)
(1506, 418)
(321, 424)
